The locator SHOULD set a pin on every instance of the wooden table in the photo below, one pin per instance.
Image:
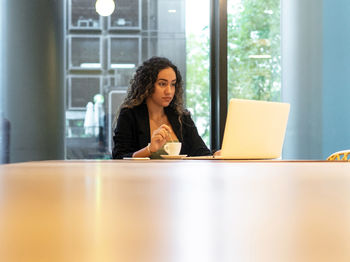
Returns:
(174, 211)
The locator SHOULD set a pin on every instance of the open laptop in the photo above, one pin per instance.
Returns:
(254, 130)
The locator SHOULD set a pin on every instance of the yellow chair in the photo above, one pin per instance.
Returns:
(340, 156)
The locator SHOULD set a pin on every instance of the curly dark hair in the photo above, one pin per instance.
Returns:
(142, 84)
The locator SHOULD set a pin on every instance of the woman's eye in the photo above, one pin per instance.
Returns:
(162, 84)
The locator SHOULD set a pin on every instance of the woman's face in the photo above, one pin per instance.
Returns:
(164, 88)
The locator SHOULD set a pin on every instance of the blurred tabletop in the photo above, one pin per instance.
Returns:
(175, 211)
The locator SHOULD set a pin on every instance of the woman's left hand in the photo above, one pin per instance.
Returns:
(159, 138)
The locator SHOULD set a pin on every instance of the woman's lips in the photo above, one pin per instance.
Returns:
(167, 99)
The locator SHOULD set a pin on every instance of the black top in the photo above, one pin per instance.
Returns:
(133, 132)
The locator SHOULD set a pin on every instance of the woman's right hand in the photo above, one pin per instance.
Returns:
(159, 137)
(217, 153)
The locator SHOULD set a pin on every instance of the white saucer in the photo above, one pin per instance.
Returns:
(173, 156)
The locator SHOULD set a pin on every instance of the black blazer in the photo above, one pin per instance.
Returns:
(133, 132)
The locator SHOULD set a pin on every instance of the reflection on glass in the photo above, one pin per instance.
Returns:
(82, 90)
(103, 62)
(85, 52)
(122, 65)
(124, 50)
(127, 15)
(82, 15)
(90, 65)
(254, 59)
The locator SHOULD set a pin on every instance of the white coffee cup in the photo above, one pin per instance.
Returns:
(173, 148)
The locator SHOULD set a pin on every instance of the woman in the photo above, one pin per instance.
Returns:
(153, 114)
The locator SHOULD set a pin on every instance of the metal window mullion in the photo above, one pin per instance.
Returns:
(218, 70)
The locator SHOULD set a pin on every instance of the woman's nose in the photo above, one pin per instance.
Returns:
(168, 89)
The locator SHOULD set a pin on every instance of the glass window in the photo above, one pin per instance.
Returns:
(197, 65)
(103, 53)
(254, 59)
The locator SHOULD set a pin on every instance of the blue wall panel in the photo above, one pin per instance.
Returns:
(336, 76)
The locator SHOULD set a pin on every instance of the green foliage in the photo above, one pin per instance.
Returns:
(197, 82)
(253, 33)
